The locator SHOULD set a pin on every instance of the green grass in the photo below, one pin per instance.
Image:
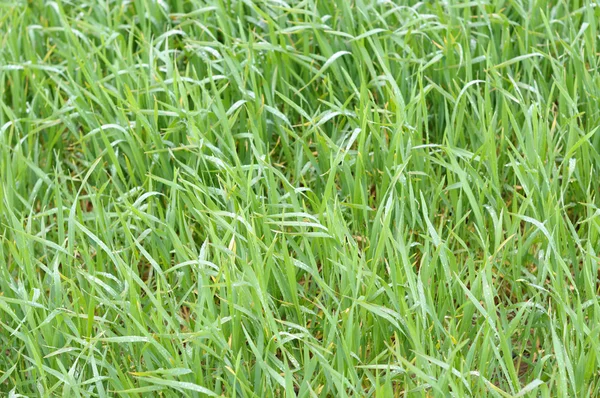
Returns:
(285, 198)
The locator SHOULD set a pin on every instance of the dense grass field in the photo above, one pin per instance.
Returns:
(317, 198)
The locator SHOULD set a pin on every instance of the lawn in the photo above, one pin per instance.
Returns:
(283, 198)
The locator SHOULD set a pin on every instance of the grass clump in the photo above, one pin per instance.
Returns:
(299, 198)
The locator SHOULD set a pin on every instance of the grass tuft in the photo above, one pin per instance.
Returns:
(299, 198)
